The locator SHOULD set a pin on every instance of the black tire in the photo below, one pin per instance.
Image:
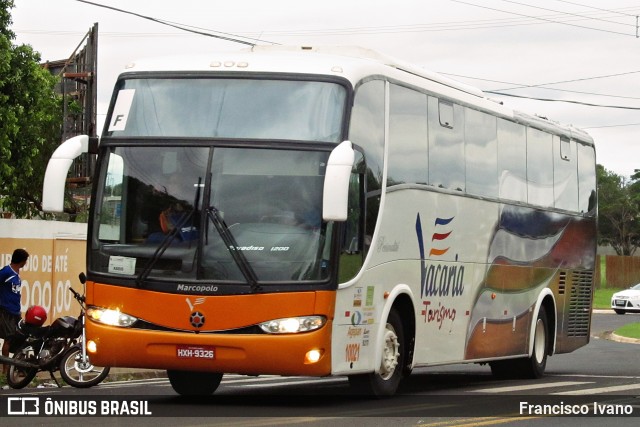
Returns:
(534, 366)
(528, 367)
(78, 373)
(503, 369)
(386, 381)
(19, 377)
(190, 383)
(618, 311)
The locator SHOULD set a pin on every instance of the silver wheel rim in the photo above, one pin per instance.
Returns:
(390, 353)
(81, 371)
(539, 341)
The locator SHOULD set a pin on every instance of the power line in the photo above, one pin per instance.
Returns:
(569, 81)
(186, 26)
(597, 8)
(543, 85)
(588, 104)
(543, 19)
(442, 26)
(227, 37)
(567, 13)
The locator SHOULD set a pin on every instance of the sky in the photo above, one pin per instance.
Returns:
(582, 51)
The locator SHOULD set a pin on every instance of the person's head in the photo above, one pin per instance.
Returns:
(19, 257)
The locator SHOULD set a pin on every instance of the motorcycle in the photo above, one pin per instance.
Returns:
(59, 346)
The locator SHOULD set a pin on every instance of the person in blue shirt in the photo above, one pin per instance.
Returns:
(10, 299)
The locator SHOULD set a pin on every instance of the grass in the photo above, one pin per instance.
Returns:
(602, 297)
(631, 330)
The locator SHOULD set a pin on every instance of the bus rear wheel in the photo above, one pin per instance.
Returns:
(385, 382)
(190, 383)
(534, 366)
(528, 367)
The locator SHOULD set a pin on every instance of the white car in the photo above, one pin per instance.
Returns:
(627, 300)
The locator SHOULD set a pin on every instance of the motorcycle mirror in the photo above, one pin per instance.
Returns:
(82, 277)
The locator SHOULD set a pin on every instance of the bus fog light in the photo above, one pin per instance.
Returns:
(292, 325)
(312, 356)
(91, 346)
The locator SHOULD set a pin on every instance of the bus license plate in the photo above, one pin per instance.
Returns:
(195, 352)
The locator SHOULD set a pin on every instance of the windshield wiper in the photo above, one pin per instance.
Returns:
(168, 239)
(232, 246)
(166, 242)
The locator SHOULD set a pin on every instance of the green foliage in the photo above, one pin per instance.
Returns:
(5, 19)
(619, 212)
(30, 121)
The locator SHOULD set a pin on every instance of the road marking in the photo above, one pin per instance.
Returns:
(149, 381)
(228, 380)
(232, 380)
(474, 422)
(600, 390)
(530, 387)
(628, 377)
(293, 382)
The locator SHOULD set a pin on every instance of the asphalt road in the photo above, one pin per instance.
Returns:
(602, 376)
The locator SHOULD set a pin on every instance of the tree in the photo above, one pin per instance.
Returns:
(619, 212)
(30, 121)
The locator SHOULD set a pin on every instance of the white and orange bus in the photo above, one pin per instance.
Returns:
(330, 211)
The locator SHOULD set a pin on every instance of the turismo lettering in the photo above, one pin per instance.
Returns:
(439, 314)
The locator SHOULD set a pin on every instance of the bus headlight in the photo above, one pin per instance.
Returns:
(292, 325)
(110, 317)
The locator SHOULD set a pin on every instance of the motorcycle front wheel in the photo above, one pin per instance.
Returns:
(19, 377)
(80, 373)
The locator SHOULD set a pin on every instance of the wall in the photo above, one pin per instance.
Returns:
(57, 255)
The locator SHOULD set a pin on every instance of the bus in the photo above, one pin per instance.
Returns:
(317, 211)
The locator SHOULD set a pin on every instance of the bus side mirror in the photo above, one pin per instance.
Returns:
(335, 196)
(55, 176)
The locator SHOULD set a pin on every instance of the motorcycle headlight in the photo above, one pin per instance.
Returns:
(292, 325)
(110, 317)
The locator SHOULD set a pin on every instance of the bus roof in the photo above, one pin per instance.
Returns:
(349, 62)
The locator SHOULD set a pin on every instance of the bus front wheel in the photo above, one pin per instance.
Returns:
(385, 382)
(189, 383)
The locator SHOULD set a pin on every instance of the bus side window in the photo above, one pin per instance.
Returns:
(539, 168)
(446, 145)
(512, 161)
(586, 179)
(565, 173)
(408, 137)
(481, 151)
(367, 130)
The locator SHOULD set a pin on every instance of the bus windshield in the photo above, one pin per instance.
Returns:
(186, 213)
(228, 108)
